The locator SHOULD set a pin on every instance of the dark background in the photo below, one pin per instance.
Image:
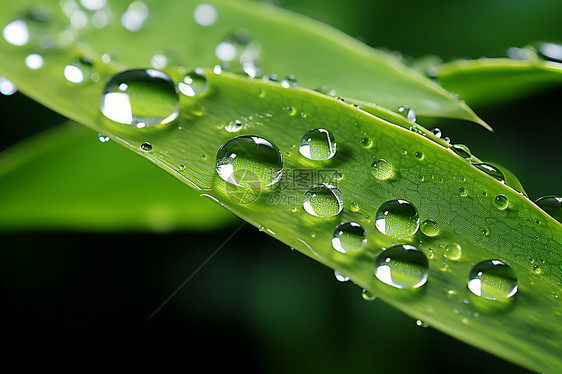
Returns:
(258, 306)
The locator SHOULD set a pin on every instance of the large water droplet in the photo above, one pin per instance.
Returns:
(552, 205)
(349, 237)
(397, 219)
(462, 150)
(402, 266)
(492, 280)
(141, 97)
(323, 200)
(251, 155)
(194, 83)
(318, 144)
(382, 170)
(501, 202)
(551, 51)
(430, 228)
(491, 171)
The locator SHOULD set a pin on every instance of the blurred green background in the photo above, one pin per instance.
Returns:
(257, 305)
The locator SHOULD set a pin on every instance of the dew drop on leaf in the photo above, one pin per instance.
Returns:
(349, 237)
(552, 205)
(462, 150)
(492, 280)
(407, 113)
(146, 147)
(382, 170)
(430, 228)
(253, 155)
(402, 266)
(453, 251)
(491, 171)
(501, 202)
(397, 219)
(317, 145)
(323, 200)
(140, 97)
(367, 295)
(194, 83)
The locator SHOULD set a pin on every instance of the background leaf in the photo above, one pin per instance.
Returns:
(63, 179)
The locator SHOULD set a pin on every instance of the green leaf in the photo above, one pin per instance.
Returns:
(491, 81)
(475, 222)
(66, 179)
(287, 43)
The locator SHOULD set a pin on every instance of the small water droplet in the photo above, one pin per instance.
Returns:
(398, 219)
(453, 251)
(290, 81)
(323, 200)
(408, 113)
(491, 171)
(430, 228)
(249, 155)
(492, 280)
(141, 97)
(354, 207)
(462, 150)
(402, 266)
(103, 138)
(340, 277)
(349, 237)
(463, 192)
(146, 147)
(182, 167)
(484, 231)
(552, 205)
(420, 323)
(419, 155)
(318, 144)
(501, 202)
(366, 142)
(194, 83)
(367, 295)
(382, 170)
(338, 175)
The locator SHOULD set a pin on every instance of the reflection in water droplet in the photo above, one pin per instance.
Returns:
(430, 228)
(194, 83)
(491, 171)
(402, 266)
(501, 202)
(233, 126)
(141, 98)
(408, 113)
(349, 237)
(340, 277)
(420, 323)
(16, 33)
(251, 154)
(147, 147)
(205, 14)
(492, 280)
(552, 205)
(103, 138)
(453, 251)
(34, 61)
(397, 219)
(382, 170)
(318, 144)
(323, 200)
